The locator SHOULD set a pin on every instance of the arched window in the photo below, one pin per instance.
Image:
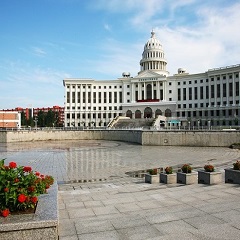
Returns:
(129, 113)
(147, 112)
(149, 91)
(168, 113)
(158, 112)
(138, 114)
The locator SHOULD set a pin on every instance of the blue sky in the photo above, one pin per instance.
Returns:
(44, 41)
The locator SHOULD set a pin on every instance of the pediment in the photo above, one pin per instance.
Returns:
(148, 74)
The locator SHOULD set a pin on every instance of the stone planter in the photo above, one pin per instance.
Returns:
(186, 178)
(43, 224)
(151, 178)
(209, 177)
(232, 176)
(167, 178)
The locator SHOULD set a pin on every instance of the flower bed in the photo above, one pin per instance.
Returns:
(168, 177)
(209, 176)
(22, 190)
(20, 187)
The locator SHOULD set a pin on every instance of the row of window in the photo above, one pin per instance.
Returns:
(100, 97)
(97, 108)
(95, 87)
(91, 115)
(210, 113)
(211, 91)
(206, 80)
(202, 105)
(153, 54)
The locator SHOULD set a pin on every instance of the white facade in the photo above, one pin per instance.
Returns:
(209, 98)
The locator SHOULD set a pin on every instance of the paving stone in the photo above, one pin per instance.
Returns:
(106, 235)
(79, 213)
(66, 228)
(139, 233)
(162, 217)
(105, 210)
(127, 207)
(74, 205)
(174, 227)
(129, 222)
(93, 226)
(201, 222)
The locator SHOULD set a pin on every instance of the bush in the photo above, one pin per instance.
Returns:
(186, 168)
(236, 165)
(20, 187)
(209, 168)
(152, 171)
(168, 170)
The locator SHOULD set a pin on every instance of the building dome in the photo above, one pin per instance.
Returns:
(153, 57)
(153, 43)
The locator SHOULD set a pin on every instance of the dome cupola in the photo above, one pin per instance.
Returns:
(153, 57)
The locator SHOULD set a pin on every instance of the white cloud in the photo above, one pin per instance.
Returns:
(107, 27)
(196, 35)
(30, 84)
(38, 51)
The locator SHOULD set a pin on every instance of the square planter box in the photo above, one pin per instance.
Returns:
(187, 178)
(167, 178)
(151, 178)
(232, 176)
(209, 177)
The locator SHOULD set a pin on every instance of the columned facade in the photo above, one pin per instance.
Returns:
(209, 98)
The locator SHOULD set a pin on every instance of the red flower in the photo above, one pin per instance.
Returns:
(6, 189)
(12, 165)
(16, 180)
(5, 212)
(37, 173)
(27, 169)
(31, 189)
(34, 199)
(42, 176)
(22, 198)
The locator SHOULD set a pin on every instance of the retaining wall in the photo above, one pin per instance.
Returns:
(155, 138)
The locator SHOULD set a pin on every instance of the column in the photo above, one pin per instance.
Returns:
(133, 92)
(144, 91)
(152, 90)
(158, 90)
(234, 89)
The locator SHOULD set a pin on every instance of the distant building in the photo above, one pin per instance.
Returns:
(33, 112)
(202, 99)
(10, 119)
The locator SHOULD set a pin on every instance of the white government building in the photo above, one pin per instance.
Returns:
(202, 99)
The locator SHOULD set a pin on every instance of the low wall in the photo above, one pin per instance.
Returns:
(191, 138)
(154, 138)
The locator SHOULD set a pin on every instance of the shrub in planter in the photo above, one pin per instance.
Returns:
(209, 168)
(236, 165)
(20, 187)
(152, 171)
(168, 170)
(186, 168)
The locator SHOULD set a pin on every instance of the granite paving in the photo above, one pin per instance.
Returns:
(97, 200)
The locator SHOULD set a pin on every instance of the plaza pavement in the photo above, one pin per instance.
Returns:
(127, 208)
(122, 207)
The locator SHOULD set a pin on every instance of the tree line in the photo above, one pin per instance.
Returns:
(43, 119)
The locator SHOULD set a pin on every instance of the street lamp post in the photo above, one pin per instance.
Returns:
(35, 121)
(209, 125)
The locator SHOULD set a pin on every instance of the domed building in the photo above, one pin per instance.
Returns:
(200, 100)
